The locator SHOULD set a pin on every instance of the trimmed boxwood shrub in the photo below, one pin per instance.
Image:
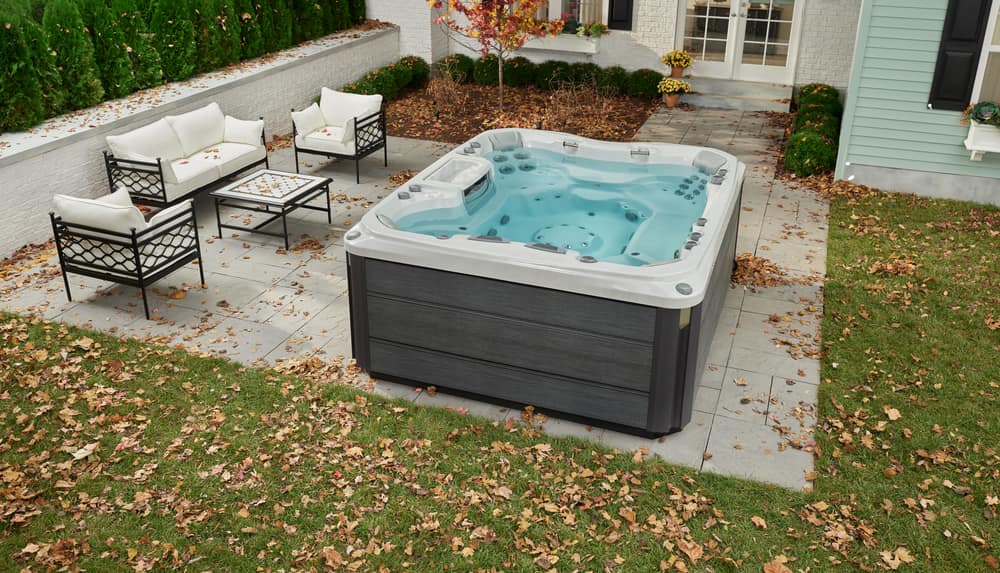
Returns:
(401, 73)
(459, 66)
(809, 153)
(174, 37)
(551, 74)
(818, 91)
(146, 65)
(584, 73)
(519, 71)
(644, 83)
(20, 95)
(420, 70)
(803, 117)
(831, 107)
(486, 72)
(68, 38)
(830, 130)
(613, 80)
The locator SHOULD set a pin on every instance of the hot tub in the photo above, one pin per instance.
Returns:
(581, 277)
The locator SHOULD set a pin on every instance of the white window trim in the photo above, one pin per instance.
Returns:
(555, 10)
(988, 48)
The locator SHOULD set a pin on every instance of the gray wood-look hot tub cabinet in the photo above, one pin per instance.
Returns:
(615, 364)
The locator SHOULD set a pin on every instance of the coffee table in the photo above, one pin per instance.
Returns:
(272, 192)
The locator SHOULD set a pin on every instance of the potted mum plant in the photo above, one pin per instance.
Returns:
(672, 88)
(678, 60)
(984, 128)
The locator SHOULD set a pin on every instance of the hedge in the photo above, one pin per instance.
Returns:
(486, 71)
(812, 147)
(644, 83)
(458, 66)
(79, 52)
(519, 71)
(20, 94)
(74, 53)
(388, 81)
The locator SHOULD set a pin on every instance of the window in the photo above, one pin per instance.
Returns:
(987, 86)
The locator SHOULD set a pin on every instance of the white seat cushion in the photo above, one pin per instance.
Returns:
(198, 129)
(231, 157)
(119, 197)
(241, 131)
(194, 167)
(98, 214)
(186, 175)
(157, 139)
(339, 107)
(164, 214)
(308, 120)
(320, 142)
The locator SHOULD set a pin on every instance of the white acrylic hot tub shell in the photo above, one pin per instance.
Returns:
(654, 285)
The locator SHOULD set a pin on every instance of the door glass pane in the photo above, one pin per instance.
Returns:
(706, 29)
(767, 32)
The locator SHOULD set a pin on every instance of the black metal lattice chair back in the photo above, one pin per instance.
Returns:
(136, 258)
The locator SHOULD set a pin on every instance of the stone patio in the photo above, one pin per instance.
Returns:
(754, 411)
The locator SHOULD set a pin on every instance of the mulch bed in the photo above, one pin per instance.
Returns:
(577, 111)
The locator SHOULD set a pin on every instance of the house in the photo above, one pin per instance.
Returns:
(917, 65)
(762, 44)
(908, 68)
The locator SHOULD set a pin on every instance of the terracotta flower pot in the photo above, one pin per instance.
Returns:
(670, 100)
(676, 72)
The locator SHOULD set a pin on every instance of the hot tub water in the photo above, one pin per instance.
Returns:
(630, 213)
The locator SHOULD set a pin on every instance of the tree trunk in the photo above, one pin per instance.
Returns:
(500, 77)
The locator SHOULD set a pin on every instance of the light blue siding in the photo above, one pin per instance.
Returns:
(886, 120)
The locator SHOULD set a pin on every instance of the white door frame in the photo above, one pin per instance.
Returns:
(732, 67)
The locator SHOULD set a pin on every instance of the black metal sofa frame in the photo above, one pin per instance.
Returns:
(146, 185)
(369, 137)
(137, 258)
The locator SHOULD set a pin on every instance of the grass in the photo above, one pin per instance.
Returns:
(118, 455)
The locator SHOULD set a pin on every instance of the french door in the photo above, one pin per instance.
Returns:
(742, 39)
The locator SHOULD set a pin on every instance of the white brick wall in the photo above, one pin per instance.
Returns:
(826, 48)
(74, 164)
(418, 34)
(655, 24)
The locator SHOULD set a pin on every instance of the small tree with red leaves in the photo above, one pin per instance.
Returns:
(498, 26)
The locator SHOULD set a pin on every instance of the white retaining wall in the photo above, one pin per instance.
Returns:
(73, 164)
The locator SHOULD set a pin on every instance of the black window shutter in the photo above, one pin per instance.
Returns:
(958, 56)
(620, 15)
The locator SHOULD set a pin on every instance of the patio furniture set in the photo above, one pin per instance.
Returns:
(167, 163)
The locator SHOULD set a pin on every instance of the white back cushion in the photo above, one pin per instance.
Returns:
(149, 141)
(338, 107)
(120, 198)
(198, 129)
(308, 120)
(241, 131)
(94, 213)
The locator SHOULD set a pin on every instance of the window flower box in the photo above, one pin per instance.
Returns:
(982, 139)
(570, 43)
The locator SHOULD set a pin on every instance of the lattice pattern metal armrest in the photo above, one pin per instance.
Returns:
(143, 179)
(369, 132)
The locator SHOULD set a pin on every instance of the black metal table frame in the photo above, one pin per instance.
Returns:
(279, 211)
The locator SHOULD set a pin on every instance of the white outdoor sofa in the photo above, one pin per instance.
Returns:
(342, 125)
(177, 156)
(108, 239)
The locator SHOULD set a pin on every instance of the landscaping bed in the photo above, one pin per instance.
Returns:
(474, 109)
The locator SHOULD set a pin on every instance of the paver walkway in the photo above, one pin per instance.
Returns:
(753, 412)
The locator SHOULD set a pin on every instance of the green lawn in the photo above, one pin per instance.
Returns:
(116, 455)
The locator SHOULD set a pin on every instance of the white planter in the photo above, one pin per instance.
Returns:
(564, 43)
(982, 139)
